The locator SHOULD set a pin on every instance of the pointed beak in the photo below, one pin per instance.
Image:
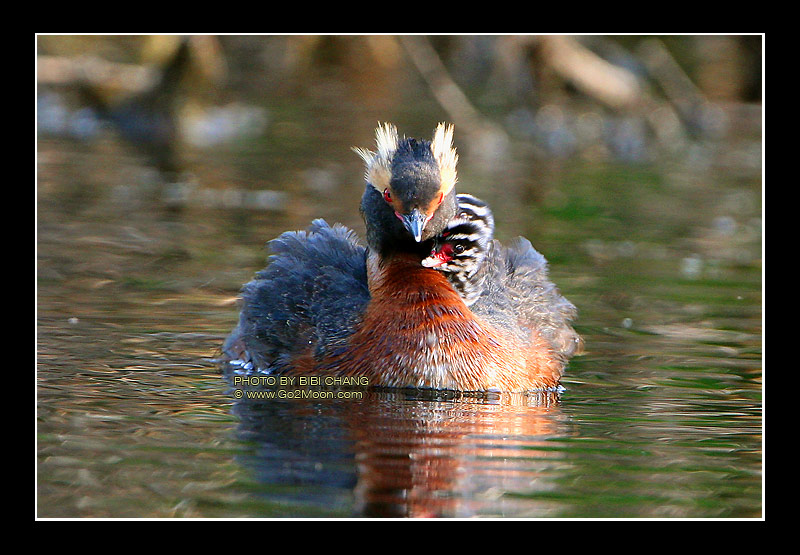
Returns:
(414, 223)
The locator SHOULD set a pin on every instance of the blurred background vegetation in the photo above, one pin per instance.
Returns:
(624, 97)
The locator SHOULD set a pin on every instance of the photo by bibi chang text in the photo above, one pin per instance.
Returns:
(300, 381)
(298, 387)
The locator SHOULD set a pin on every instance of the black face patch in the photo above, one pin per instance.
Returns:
(415, 179)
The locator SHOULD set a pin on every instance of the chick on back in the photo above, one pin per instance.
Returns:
(461, 249)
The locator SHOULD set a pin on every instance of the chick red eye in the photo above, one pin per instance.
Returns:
(387, 196)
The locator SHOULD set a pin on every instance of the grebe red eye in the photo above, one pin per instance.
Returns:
(441, 198)
(387, 196)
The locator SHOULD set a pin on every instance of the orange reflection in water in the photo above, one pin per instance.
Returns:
(418, 454)
(419, 458)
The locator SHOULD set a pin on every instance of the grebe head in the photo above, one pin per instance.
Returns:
(410, 192)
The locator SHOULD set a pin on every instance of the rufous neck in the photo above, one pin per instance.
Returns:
(401, 276)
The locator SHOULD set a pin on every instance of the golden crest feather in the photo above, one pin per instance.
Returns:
(445, 155)
(378, 163)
